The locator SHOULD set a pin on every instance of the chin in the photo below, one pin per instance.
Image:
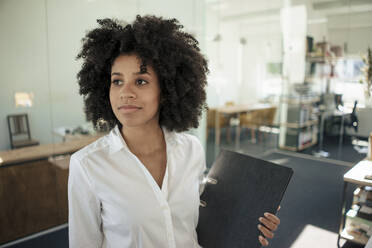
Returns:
(131, 123)
(138, 120)
(135, 123)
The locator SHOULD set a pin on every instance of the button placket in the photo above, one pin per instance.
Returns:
(161, 196)
(166, 209)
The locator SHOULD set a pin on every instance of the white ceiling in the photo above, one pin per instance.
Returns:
(229, 10)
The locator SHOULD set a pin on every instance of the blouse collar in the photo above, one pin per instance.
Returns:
(117, 142)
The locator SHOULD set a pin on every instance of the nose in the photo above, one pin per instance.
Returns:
(127, 92)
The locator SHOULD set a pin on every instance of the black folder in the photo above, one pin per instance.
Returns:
(239, 190)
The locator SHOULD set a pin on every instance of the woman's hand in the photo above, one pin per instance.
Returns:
(270, 223)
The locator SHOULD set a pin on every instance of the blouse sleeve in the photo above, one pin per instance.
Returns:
(84, 209)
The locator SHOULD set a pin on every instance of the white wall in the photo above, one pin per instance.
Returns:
(238, 72)
(264, 45)
(260, 26)
(39, 42)
(354, 29)
(67, 22)
(23, 65)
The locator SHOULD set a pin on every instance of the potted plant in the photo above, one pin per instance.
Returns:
(367, 78)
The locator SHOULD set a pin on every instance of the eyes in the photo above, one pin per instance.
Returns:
(139, 82)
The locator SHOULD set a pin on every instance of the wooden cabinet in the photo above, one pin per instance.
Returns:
(33, 198)
(33, 188)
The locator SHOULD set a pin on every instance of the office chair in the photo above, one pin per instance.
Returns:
(19, 131)
(350, 120)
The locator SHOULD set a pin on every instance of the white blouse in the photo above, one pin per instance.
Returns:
(115, 202)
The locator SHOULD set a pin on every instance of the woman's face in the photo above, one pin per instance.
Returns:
(134, 93)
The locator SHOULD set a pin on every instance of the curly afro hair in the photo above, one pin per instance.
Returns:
(174, 55)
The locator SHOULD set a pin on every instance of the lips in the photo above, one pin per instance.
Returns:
(128, 108)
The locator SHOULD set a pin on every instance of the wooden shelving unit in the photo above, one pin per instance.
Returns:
(299, 126)
(300, 100)
(300, 148)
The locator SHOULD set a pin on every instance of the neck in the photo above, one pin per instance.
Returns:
(144, 140)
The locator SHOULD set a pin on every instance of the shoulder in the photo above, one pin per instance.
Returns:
(189, 142)
(84, 162)
(192, 150)
(188, 139)
(100, 146)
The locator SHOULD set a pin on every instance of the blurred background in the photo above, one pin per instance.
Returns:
(290, 82)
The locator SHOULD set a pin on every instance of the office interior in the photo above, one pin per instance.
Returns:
(289, 82)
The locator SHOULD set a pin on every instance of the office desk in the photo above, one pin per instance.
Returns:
(33, 153)
(234, 110)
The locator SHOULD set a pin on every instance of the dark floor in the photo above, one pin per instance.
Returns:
(53, 239)
(311, 208)
(267, 141)
(343, 151)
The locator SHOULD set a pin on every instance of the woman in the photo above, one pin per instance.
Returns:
(138, 186)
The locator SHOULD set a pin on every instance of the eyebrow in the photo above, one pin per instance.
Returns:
(142, 72)
(135, 73)
(116, 73)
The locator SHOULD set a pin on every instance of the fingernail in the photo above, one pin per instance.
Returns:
(260, 219)
(259, 226)
(266, 214)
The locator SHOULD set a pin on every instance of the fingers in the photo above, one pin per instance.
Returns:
(273, 218)
(272, 226)
(263, 241)
(265, 231)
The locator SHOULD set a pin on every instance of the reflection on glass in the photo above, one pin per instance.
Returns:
(23, 99)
